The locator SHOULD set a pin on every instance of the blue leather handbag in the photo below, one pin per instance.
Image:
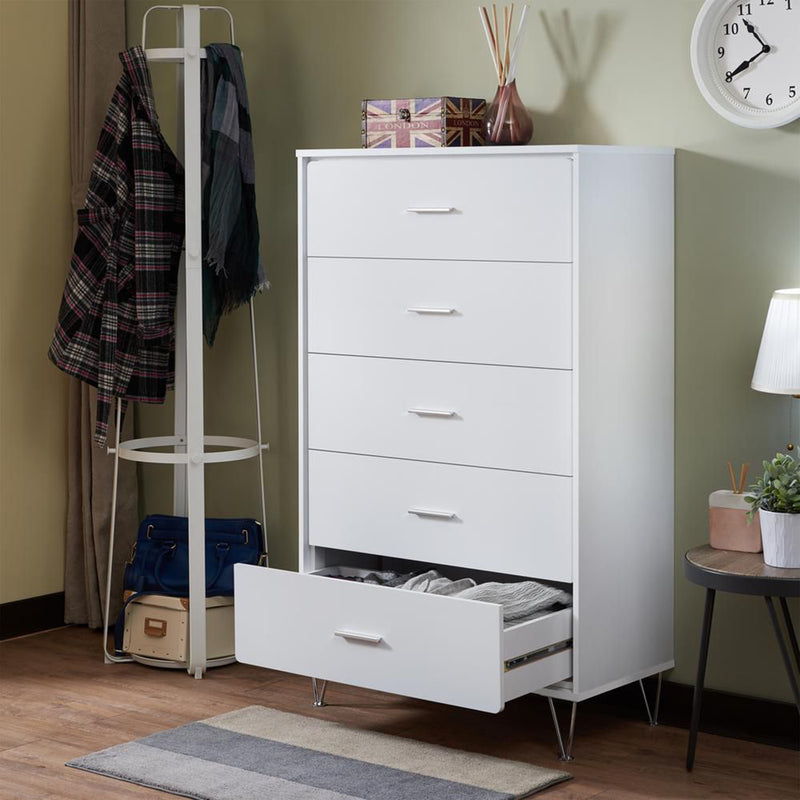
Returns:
(160, 559)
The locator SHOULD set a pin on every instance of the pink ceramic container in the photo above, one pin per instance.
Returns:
(729, 527)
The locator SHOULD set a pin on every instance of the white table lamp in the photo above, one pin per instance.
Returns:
(778, 364)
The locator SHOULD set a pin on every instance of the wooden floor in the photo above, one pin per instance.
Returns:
(58, 700)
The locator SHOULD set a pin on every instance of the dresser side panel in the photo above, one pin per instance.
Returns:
(625, 419)
(302, 368)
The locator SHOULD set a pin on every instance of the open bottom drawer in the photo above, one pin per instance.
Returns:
(437, 648)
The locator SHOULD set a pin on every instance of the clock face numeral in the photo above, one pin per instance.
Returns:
(720, 51)
(746, 92)
(767, 2)
(792, 91)
(744, 8)
(731, 29)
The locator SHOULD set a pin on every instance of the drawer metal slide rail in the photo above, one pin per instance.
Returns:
(536, 655)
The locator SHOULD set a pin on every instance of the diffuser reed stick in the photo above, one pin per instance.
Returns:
(487, 29)
(733, 479)
(520, 37)
(507, 14)
(743, 477)
(496, 37)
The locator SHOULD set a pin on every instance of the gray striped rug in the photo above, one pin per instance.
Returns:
(258, 753)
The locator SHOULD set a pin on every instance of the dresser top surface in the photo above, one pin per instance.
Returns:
(450, 152)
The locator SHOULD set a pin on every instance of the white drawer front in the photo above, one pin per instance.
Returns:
(510, 522)
(421, 645)
(469, 311)
(503, 417)
(487, 208)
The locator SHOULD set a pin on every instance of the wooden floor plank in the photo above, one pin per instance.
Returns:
(59, 700)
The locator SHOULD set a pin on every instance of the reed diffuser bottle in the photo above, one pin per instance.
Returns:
(507, 121)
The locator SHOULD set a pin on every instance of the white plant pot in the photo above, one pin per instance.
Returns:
(780, 534)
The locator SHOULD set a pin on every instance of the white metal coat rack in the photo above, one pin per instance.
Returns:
(188, 444)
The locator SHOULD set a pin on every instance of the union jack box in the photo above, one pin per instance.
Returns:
(423, 122)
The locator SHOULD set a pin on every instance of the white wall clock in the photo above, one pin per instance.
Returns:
(746, 60)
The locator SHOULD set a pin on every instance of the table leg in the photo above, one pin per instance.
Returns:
(773, 615)
(787, 618)
(701, 676)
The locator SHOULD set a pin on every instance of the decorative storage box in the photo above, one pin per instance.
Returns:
(729, 528)
(156, 626)
(423, 122)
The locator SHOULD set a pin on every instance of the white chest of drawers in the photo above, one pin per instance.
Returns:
(485, 384)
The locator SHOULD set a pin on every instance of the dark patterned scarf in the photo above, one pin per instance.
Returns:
(232, 268)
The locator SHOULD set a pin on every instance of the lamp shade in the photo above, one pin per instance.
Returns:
(778, 364)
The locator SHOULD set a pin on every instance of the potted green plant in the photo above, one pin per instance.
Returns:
(776, 498)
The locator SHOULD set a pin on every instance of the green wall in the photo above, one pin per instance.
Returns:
(36, 237)
(593, 72)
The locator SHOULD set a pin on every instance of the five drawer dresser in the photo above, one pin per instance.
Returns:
(485, 388)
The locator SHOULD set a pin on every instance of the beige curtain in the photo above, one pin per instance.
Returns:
(96, 37)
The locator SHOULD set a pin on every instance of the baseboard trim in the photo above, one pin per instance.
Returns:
(751, 719)
(31, 615)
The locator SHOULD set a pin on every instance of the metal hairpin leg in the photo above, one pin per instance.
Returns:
(773, 615)
(566, 754)
(654, 716)
(787, 618)
(318, 688)
(705, 636)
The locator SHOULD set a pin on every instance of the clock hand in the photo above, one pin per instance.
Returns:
(729, 76)
(751, 29)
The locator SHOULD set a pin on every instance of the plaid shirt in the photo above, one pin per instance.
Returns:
(115, 326)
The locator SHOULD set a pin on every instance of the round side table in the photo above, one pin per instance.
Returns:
(740, 573)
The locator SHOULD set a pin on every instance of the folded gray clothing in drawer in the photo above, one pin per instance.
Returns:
(520, 601)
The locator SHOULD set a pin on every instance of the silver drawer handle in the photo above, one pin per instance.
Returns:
(429, 512)
(431, 210)
(423, 310)
(370, 638)
(431, 412)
